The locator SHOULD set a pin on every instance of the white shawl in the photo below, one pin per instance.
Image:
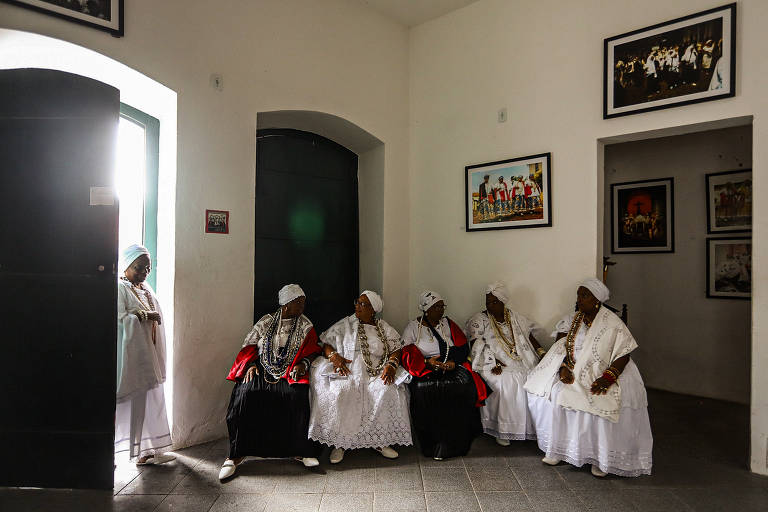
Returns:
(140, 363)
(482, 336)
(606, 340)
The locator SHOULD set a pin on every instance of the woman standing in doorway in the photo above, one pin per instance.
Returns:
(141, 422)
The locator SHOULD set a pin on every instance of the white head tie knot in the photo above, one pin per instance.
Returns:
(499, 290)
(130, 254)
(597, 288)
(375, 300)
(288, 293)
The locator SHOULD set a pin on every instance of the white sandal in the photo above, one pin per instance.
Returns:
(228, 468)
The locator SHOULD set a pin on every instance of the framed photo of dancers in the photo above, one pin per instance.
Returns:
(509, 194)
(678, 62)
(729, 268)
(101, 14)
(729, 202)
(642, 216)
(217, 221)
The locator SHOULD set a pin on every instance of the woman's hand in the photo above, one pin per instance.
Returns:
(434, 362)
(251, 374)
(299, 370)
(496, 370)
(600, 386)
(448, 365)
(388, 374)
(339, 364)
(154, 316)
(566, 375)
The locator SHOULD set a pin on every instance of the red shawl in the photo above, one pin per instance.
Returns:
(250, 353)
(413, 361)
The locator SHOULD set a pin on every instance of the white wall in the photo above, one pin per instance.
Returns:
(681, 333)
(335, 56)
(542, 59)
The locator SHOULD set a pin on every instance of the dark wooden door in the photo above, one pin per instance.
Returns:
(306, 223)
(57, 284)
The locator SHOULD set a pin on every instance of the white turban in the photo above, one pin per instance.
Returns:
(499, 290)
(288, 293)
(598, 289)
(130, 254)
(428, 299)
(375, 300)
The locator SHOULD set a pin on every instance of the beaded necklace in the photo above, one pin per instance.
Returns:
(148, 306)
(366, 349)
(277, 364)
(509, 346)
(570, 360)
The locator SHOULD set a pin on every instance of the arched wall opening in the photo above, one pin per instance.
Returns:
(20, 49)
(370, 152)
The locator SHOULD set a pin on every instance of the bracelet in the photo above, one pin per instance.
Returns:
(541, 352)
(307, 363)
(142, 315)
(329, 356)
(391, 364)
(611, 374)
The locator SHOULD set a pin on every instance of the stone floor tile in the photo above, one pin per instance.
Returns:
(398, 479)
(345, 480)
(136, 503)
(451, 462)
(724, 499)
(492, 478)
(539, 478)
(452, 502)
(54, 500)
(155, 481)
(503, 501)
(399, 501)
(187, 503)
(351, 502)
(445, 479)
(293, 503)
(241, 502)
(608, 499)
(656, 500)
(555, 501)
(582, 478)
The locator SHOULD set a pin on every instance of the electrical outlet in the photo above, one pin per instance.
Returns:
(502, 115)
(217, 82)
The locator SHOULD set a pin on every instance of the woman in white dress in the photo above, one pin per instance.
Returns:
(355, 401)
(141, 422)
(504, 350)
(587, 397)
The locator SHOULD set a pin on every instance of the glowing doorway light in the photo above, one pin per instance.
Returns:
(130, 180)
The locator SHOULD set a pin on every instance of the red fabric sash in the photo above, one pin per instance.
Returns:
(249, 353)
(413, 361)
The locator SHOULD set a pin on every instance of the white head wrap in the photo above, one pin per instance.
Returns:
(288, 293)
(499, 290)
(428, 299)
(375, 299)
(130, 254)
(598, 289)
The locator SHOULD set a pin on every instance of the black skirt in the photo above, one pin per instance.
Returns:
(444, 414)
(269, 420)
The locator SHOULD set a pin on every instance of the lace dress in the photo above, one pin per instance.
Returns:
(577, 437)
(359, 410)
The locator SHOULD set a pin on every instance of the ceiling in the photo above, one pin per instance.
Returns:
(414, 12)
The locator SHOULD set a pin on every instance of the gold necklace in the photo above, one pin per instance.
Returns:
(570, 360)
(146, 306)
(509, 346)
(366, 349)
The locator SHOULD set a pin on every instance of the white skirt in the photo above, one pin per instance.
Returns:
(506, 415)
(141, 424)
(357, 411)
(577, 437)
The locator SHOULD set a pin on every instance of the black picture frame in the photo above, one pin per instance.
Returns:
(113, 25)
(726, 274)
(626, 83)
(526, 207)
(741, 202)
(642, 234)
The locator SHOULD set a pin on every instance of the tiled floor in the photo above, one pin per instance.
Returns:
(700, 456)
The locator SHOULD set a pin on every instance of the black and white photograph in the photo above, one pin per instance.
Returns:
(102, 14)
(729, 268)
(683, 61)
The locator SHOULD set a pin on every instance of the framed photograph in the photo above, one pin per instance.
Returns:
(678, 62)
(729, 268)
(642, 216)
(101, 14)
(729, 202)
(509, 194)
(217, 221)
